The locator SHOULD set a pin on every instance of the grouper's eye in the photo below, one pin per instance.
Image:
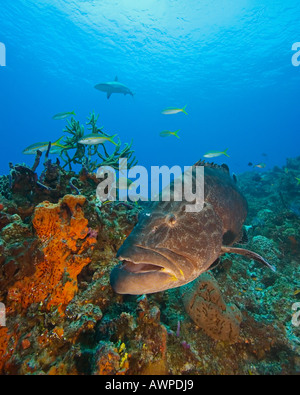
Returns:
(171, 220)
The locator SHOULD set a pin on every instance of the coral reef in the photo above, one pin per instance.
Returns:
(26, 188)
(58, 245)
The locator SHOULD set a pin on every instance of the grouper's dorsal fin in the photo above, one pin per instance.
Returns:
(248, 254)
(212, 165)
(225, 167)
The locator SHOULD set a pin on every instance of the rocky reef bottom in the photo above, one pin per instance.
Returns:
(59, 314)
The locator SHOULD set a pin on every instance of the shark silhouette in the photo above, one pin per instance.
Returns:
(113, 87)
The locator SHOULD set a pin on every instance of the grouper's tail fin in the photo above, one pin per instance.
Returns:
(248, 254)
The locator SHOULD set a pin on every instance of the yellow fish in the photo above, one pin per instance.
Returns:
(174, 110)
(107, 202)
(94, 139)
(166, 133)
(32, 149)
(63, 115)
(214, 154)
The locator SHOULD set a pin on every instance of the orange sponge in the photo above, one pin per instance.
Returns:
(64, 235)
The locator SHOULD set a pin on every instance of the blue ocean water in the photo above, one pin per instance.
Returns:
(229, 61)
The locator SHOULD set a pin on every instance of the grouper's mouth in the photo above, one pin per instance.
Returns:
(140, 267)
(144, 270)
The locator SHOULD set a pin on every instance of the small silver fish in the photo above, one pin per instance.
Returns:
(32, 149)
(174, 110)
(166, 133)
(94, 139)
(214, 154)
(63, 115)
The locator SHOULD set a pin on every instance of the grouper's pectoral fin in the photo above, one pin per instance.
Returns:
(248, 254)
(108, 94)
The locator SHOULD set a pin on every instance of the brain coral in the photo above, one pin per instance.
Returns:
(204, 303)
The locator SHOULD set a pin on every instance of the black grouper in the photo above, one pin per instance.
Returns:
(170, 247)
